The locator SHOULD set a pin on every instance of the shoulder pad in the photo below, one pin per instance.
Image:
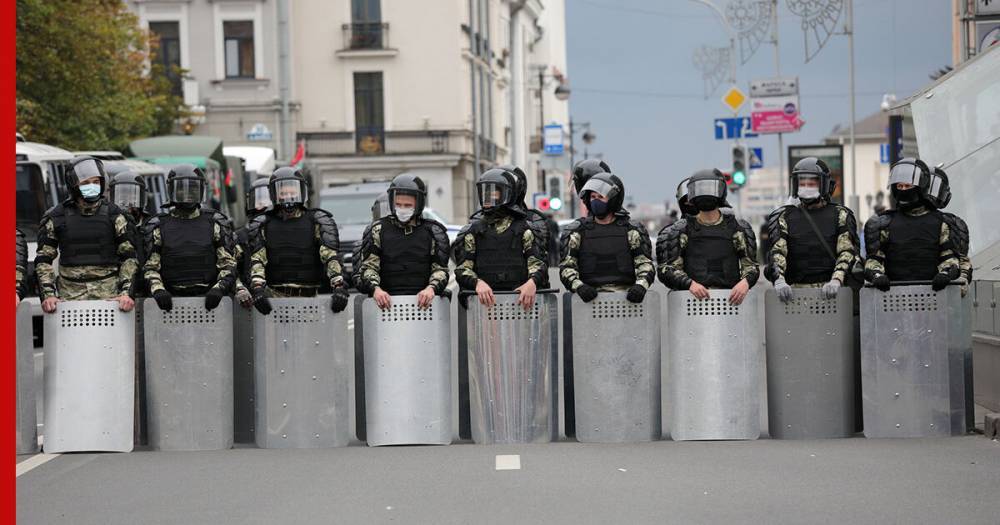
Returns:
(751, 236)
(575, 225)
(632, 223)
(959, 232)
(55, 211)
(222, 219)
(435, 225)
(322, 216)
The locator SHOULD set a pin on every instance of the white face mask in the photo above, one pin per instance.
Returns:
(404, 214)
(808, 193)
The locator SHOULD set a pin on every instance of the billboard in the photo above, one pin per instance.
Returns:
(831, 154)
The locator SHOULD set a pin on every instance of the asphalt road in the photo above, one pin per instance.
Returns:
(951, 480)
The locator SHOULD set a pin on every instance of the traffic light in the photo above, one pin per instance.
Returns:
(555, 193)
(740, 158)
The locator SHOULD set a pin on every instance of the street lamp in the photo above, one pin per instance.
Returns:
(562, 91)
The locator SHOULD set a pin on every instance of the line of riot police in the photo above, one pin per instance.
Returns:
(287, 252)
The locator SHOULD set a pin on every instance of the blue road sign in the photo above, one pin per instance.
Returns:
(733, 128)
(756, 158)
(553, 138)
(883, 153)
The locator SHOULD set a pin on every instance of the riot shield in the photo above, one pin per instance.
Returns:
(616, 368)
(715, 366)
(512, 367)
(908, 361)
(407, 354)
(243, 375)
(189, 375)
(27, 423)
(810, 365)
(303, 375)
(89, 369)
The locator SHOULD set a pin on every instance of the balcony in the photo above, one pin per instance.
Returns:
(366, 36)
(374, 141)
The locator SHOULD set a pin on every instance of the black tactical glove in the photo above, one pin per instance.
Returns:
(586, 292)
(213, 298)
(940, 281)
(339, 300)
(881, 281)
(164, 300)
(260, 301)
(636, 293)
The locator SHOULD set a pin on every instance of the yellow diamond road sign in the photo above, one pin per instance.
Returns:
(734, 99)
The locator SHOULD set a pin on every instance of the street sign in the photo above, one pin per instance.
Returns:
(259, 132)
(775, 105)
(756, 158)
(733, 128)
(883, 153)
(734, 99)
(987, 7)
(553, 139)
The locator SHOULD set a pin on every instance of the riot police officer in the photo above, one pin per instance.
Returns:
(190, 248)
(711, 249)
(938, 197)
(814, 244)
(256, 200)
(540, 224)
(404, 253)
(606, 252)
(499, 251)
(93, 240)
(912, 242)
(687, 209)
(585, 169)
(293, 249)
(128, 191)
(20, 267)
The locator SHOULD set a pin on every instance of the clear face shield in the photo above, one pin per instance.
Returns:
(288, 193)
(127, 195)
(706, 188)
(493, 195)
(939, 191)
(905, 174)
(261, 198)
(87, 169)
(187, 191)
(599, 186)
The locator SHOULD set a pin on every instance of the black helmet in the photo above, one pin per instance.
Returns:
(909, 171)
(186, 185)
(380, 208)
(520, 183)
(682, 198)
(257, 198)
(128, 190)
(707, 190)
(408, 184)
(811, 167)
(288, 187)
(939, 193)
(495, 188)
(608, 185)
(585, 169)
(81, 169)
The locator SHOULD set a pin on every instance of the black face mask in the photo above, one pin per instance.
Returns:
(907, 199)
(705, 203)
(187, 205)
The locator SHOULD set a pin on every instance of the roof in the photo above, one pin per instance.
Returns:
(141, 167)
(255, 158)
(178, 146)
(37, 151)
(102, 155)
(198, 162)
(874, 126)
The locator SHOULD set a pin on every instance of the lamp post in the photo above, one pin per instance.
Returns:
(588, 138)
(562, 93)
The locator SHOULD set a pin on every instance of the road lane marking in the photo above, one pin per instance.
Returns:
(508, 462)
(35, 461)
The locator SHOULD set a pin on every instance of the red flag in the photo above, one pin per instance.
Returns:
(300, 154)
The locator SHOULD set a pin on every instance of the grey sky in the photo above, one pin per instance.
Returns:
(632, 78)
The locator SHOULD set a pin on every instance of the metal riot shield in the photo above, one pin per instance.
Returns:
(89, 369)
(905, 362)
(303, 375)
(243, 375)
(512, 360)
(715, 366)
(960, 364)
(407, 354)
(27, 422)
(810, 365)
(616, 368)
(189, 375)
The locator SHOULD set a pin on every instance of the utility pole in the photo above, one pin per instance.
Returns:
(785, 190)
(855, 203)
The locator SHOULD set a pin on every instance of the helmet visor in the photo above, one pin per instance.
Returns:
(187, 191)
(939, 191)
(905, 173)
(492, 194)
(261, 198)
(599, 186)
(682, 189)
(87, 169)
(706, 188)
(127, 195)
(288, 192)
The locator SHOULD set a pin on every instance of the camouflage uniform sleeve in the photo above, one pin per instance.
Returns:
(847, 244)
(48, 250)
(670, 246)
(20, 264)
(569, 270)
(948, 259)
(154, 247)
(746, 249)
(876, 236)
(240, 257)
(465, 260)
(225, 258)
(641, 251)
(128, 262)
(257, 245)
(959, 231)
(370, 267)
(329, 240)
(439, 259)
(537, 265)
(777, 255)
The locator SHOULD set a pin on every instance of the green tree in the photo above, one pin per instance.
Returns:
(85, 78)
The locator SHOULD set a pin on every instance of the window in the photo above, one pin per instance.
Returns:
(168, 54)
(366, 24)
(238, 48)
(369, 131)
